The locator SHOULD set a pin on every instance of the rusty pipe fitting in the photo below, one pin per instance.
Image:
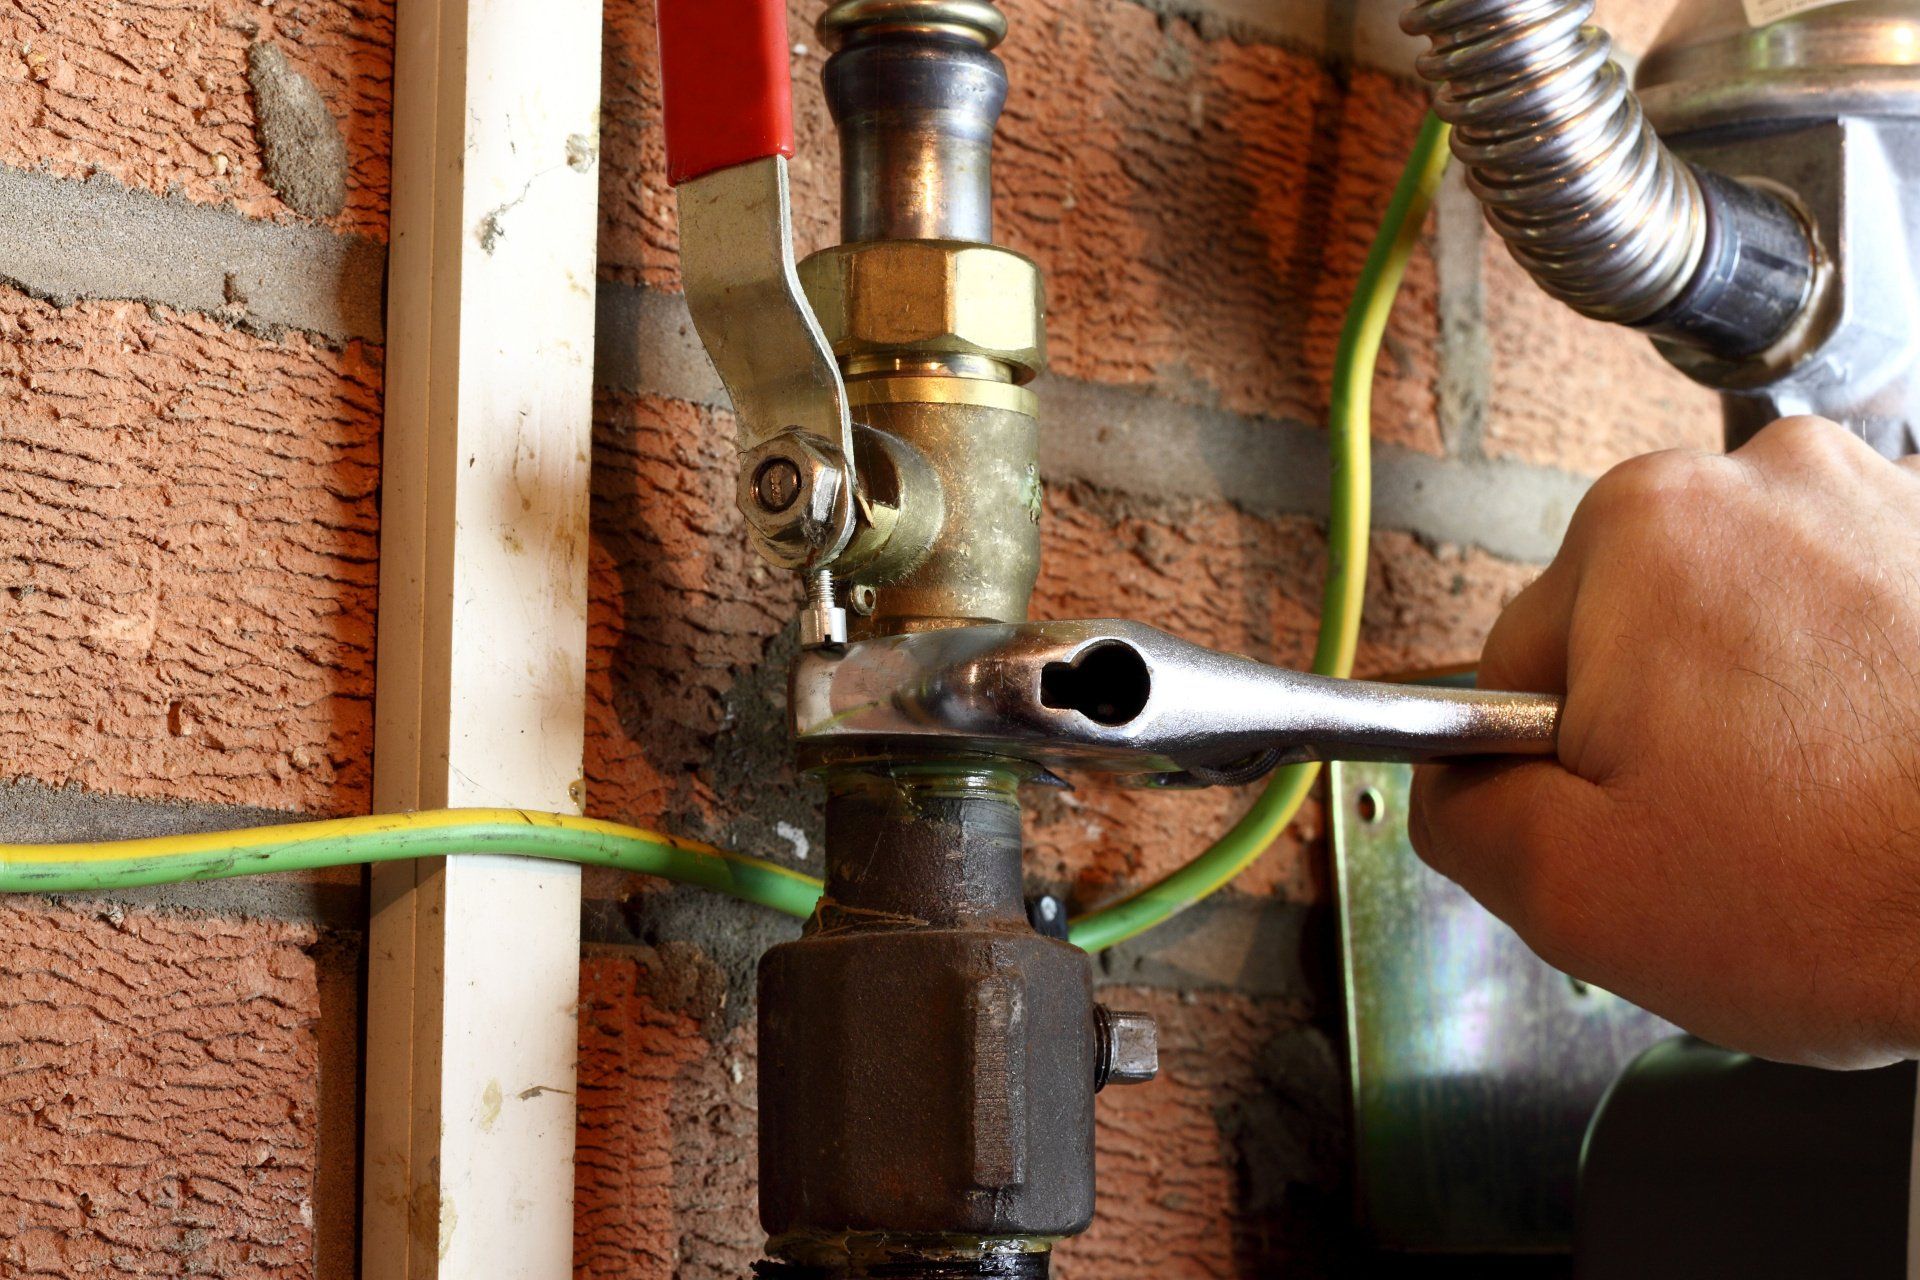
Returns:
(930, 1059)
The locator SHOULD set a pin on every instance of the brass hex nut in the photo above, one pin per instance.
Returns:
(930, 297)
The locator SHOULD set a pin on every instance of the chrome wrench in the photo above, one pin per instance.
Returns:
(1125, 698)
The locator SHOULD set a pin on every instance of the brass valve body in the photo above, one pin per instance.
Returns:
(934, 337)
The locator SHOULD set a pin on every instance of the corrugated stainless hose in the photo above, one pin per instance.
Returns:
(1591, 202)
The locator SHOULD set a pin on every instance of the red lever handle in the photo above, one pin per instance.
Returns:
(727, 84)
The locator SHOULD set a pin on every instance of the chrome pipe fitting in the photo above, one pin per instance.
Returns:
(1590, 201)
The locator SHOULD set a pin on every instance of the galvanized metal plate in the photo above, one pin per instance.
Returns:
(1474, 1066)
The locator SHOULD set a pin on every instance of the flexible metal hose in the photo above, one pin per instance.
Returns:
(1590, 201)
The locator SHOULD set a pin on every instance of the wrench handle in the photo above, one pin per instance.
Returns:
(1412, 723)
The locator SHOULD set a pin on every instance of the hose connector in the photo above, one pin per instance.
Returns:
(1590, 201)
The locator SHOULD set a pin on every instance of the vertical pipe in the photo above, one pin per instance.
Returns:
(916, 91)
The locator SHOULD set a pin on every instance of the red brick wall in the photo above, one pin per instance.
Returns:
(156, 96)
(188, 525)
(188, 558)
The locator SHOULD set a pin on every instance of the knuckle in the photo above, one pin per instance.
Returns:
(1648, 494)
(1657, 476)
(1803, 431)
(1803, 442)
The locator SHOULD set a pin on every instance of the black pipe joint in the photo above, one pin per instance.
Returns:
(927, 1060)
(1755, 277)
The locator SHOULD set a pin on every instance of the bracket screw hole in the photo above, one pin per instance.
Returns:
(1370, 805)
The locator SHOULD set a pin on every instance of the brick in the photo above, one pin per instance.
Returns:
(1577, 394)
(1190, 200)
(188, 521)
(1229, 1164)
(664, 1174)
(164, 1089)
(682, 610)
(156, 95)
(1184, 195)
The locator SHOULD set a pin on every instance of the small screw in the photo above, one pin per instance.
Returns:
(863, 598)
(1048, 916)
(776, 485)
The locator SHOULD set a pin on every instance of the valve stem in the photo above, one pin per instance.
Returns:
(824, 624)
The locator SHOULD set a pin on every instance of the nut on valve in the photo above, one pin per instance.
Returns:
(790, 492)
(1127, 1047)
(930, 297)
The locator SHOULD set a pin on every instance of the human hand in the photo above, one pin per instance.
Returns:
(1730, 833)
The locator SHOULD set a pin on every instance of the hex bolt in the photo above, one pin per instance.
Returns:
(1126, 1047)
(776, 485)
(790, 489)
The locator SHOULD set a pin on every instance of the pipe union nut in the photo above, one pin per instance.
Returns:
(931, 298)
(789, 491)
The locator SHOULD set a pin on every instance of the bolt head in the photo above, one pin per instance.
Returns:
(790, 490)
(1129, 1047)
